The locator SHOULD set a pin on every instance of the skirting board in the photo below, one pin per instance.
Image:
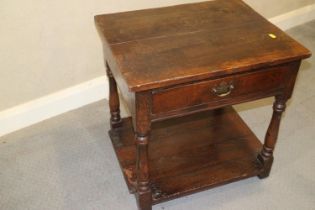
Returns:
(52, 105)
(43, 108)
(295, 17)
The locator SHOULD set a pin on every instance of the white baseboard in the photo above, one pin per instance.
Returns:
(52, 105)
(295, 17)
(94, 90)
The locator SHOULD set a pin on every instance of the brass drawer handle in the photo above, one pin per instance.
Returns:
(223, 89)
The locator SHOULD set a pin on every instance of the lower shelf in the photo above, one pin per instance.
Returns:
(191, 153)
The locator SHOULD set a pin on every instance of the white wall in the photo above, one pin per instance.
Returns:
(46, 46)
(271, 8)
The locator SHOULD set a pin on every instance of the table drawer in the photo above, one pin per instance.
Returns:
(227, 90)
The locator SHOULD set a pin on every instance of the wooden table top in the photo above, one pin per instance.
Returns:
(160, 47)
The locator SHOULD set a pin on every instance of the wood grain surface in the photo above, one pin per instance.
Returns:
(156, 48)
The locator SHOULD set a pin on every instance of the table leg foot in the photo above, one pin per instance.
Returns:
(144, 201)
(267, 163)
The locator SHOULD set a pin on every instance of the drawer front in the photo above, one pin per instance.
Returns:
(227, 90)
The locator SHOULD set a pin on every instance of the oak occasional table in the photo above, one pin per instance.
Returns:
(179, 69)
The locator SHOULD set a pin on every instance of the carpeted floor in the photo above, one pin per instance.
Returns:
(68, 163)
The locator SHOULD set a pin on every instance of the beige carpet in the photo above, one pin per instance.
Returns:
(68, 163)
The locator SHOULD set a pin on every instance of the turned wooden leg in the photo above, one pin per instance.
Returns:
(266, 154)
(115, 120)
(143, 125)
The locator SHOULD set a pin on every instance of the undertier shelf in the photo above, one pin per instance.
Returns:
(191, 153)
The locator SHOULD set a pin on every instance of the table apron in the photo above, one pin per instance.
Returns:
(215, 93)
